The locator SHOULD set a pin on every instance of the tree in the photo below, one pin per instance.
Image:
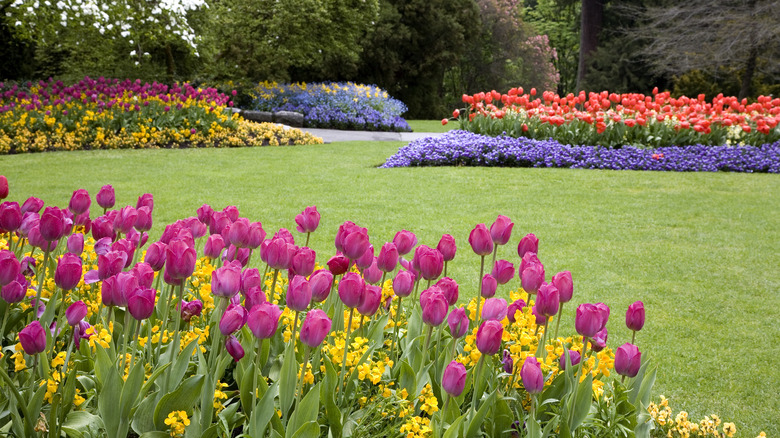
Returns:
(591, 19)
(738, 36)
(559, 20)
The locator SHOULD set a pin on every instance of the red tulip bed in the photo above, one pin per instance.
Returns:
(219, 329)
(112, 114)
(606, 131)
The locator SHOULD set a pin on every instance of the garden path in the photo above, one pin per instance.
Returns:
(335, 135)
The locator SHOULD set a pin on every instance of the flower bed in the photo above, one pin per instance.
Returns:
(109, 114)
(615, 120)
(462, 148)
(335, 105)
(104, 332)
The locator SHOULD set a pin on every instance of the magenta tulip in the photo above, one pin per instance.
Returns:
(489, 286)
(126, 285)
(308, 220)
(75, 243)
(489, 337)
(36, 239)
(263, 320)
(529, 243)
(403, 283)
(253, 297)
(214, 246)
(14, 291)
(447, 247)
(256, 235)
(628, 359)
(454, 379)
(145, 200)
(190, 309)
(127, 247)
(10, 217)
(219, 221)
(320, 282)
(3, 187)
(388, 257)
(434, 306)
(103, 226)
(238, 233)
(316, 326)
(111, 263)
(299, 294)
(79, 202)
(480, 240)
(547, 300)
(10, 268)
(52, 224)
(516, 306)
(531, 374)
(540, 319)
(141, 302)
(503, 271)
(507, 362)
(532, 279)
(501, 230)
(278, 255)
(286, 235)
(226, 281)
(351, 290)
(404, 241)
(574, 359)
(109, 292)
(589, 320)
(449, 288)
(303, 262)
(32, 204)
(565, 285)
(68, 272)
(125, 219)
(80, 332)
(76, 312)
(155, 255)
(458, 322)
(495, 309)
(355, 243)
(234, 348)
(33, 338)
(250, 278)
(238, 255)
(431, 262)
(635, 316)
(371, 301)
(599, 341)
(106, 197)
(204, 213)
(233, 319)
(338, 264)
(143, 219)
(179, 260)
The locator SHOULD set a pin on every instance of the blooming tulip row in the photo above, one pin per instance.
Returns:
(616, 120)
(335, 105)
(462, 148)
(183, 336)
(109, 114)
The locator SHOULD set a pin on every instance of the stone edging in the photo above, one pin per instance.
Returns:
(288, 118)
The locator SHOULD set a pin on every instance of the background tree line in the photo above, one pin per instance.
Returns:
(424, 52)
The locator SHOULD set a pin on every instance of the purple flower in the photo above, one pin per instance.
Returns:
(263, 320)
(33, 338)
(453, 379)
(315, 327)
(531, 374)
(76, 312)
(458, 322)
(234, 347)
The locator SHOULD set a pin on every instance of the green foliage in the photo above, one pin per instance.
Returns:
(559, 20)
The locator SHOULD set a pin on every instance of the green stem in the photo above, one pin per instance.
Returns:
(125, 336)
(67, 359)
(20, 403)
(493, 263)
(137, 327)
(633, 337)
(395, 330)
(445, 272)
(479, 296)
(346, 348)
(307, 239)
(295, 328)
(428, 340)
(166, 313)
(5, 321)
(558, 323)
(40, 282)
(306, 353)
(474, 384)
(273, 286)
(257, 366)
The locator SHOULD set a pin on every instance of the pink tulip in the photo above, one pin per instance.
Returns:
(256, 235)
(547, 300)
(10, 268)
(204, 214)
(351, 290)
(503, 271)
(103, 226)
(458, 322)
(403, 283)
(143, 219)
(565, 285)
(190, 309)
(434, 306)
(75, 243)
(431, 262)
(33, 338)
(219, 221)
(449, 288)
(15, 291)
(589, 320)
(573, 356)
(308, 220)
(628, 360)
(76, 312)
(253, 297)
(489, 285)
(320, 282)
(447, 247)
(32, 204)
(480, 240)
(234, 348)
(529, 243)
(599, 341)
(79, 202)
(179, 260)
(494, 309)
(338, 264)
(371, 302)
(299, 294)
(489, 337)
(141, 302)
(531, 374)
(635, 316)
(315, 328)
(3, 187)
(238, 233)
(213, 247)
(106, 197)
(233, 319)
(263, 320)
(111, 263)
(388, 257)
(226, 281)
(532, 278)
(52, 224)
(278, 255)
(68, 272)
(303, 262)
(404, 241)
(125, 219)
(453, 379)
(516, 306)
(372, 274)
(10, 217)
(155, 256)
(501, 230)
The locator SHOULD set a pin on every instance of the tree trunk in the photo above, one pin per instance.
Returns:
(169, 63)
(591, 18)
(747, 78)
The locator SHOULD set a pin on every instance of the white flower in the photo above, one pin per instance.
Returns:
(132, 53)
(18, 23)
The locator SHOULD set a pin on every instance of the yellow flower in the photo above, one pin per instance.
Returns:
(177, 421)
(729, 429)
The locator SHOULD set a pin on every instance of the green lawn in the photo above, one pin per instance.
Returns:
(432, 125)
(700, 249)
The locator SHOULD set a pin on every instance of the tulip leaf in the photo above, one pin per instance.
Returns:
(82, 424)
(454, 430)
(534, 429)
(143, 417)
(635, 383)
(131, 390)
(68, 394)
(502, 418)
(108, 400)
(582, 402)
(182, 399)
(179, 368)
(154, 434)
(376, 332)
(207, 402)
(288, 378)
(305, 413)
(408, 380)
(644, 391)
(475, 425)
(328, 398)
(103, 364)
(415, 325)
(310, 429)
(264, 411)
(245, 388)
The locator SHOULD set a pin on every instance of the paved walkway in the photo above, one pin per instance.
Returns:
(334, 135)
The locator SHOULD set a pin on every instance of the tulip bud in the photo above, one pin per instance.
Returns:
(263, 320)
(256, 235)
(315, 327)
(447, 247)
(507, 362)
(516, 306)
(338, 264)
(503, 271)
(106, 197)
(489, 337)
(143, 219)
(532, 279)
(179, 260)
(404, 241)
(320, 282)
(589, 320)
(204, 214)
(458, 322)
(76, 243)
(32, 204)
(299, 294)
(10, 217)
(125, 219)
(403, 283)
(599, 341)
(356, 243)
(232, 320)
(531, 374)
(563, 282)
(574, 359)
(68, 272)
(190, 309)
(489, 285)
(3, 187)
(628, 359)
(431, 263)
(547, 300)
(10, 268)
(480, 240)
(453, 379)
(14, 291)
(141, 302)
(308, 220)
(351, 290)
(388, 257)
(303, 262)
(76, 312)
(226, 281)
(33, 338)
(79, 202)
(501, 230)
(495, 309)
(234, 348)
(434, 306)
(529, 243)
(635, 316)
(145, 200)
(214, 246)
(253, 297)
(449, 288)
(278, 255)
(155, 255)
(371, 301)
(52, 224)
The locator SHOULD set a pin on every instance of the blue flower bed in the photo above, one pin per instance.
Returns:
(462, 148)
(342, 105)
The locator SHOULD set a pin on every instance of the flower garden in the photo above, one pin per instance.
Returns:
(219, 327)
(335, 105)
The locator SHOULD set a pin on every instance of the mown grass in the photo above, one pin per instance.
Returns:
(432, 125)
(700, 249)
